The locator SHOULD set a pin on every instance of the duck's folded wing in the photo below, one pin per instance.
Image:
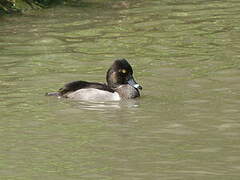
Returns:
(76, 85)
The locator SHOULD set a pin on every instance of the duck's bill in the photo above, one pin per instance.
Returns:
(133, 83)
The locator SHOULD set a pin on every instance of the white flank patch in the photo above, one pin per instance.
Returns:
(92, 94)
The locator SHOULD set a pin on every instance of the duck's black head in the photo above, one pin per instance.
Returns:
(121, 73)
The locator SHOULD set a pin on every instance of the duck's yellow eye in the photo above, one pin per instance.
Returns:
(124, 71)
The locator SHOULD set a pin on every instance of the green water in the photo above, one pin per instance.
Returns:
(186, 125)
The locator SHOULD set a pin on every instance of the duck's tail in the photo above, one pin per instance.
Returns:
(52, 94)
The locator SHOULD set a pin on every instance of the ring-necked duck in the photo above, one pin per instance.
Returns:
(120, 85)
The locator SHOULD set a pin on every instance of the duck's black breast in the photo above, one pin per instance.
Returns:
(76, 85)
(127, 92)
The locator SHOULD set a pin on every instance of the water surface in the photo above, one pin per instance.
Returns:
(186, 124)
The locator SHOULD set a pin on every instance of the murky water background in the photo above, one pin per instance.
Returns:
(186, 124)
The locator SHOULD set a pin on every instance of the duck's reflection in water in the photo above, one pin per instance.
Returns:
(102, 106)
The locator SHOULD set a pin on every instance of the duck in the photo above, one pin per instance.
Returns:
(120, 85)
